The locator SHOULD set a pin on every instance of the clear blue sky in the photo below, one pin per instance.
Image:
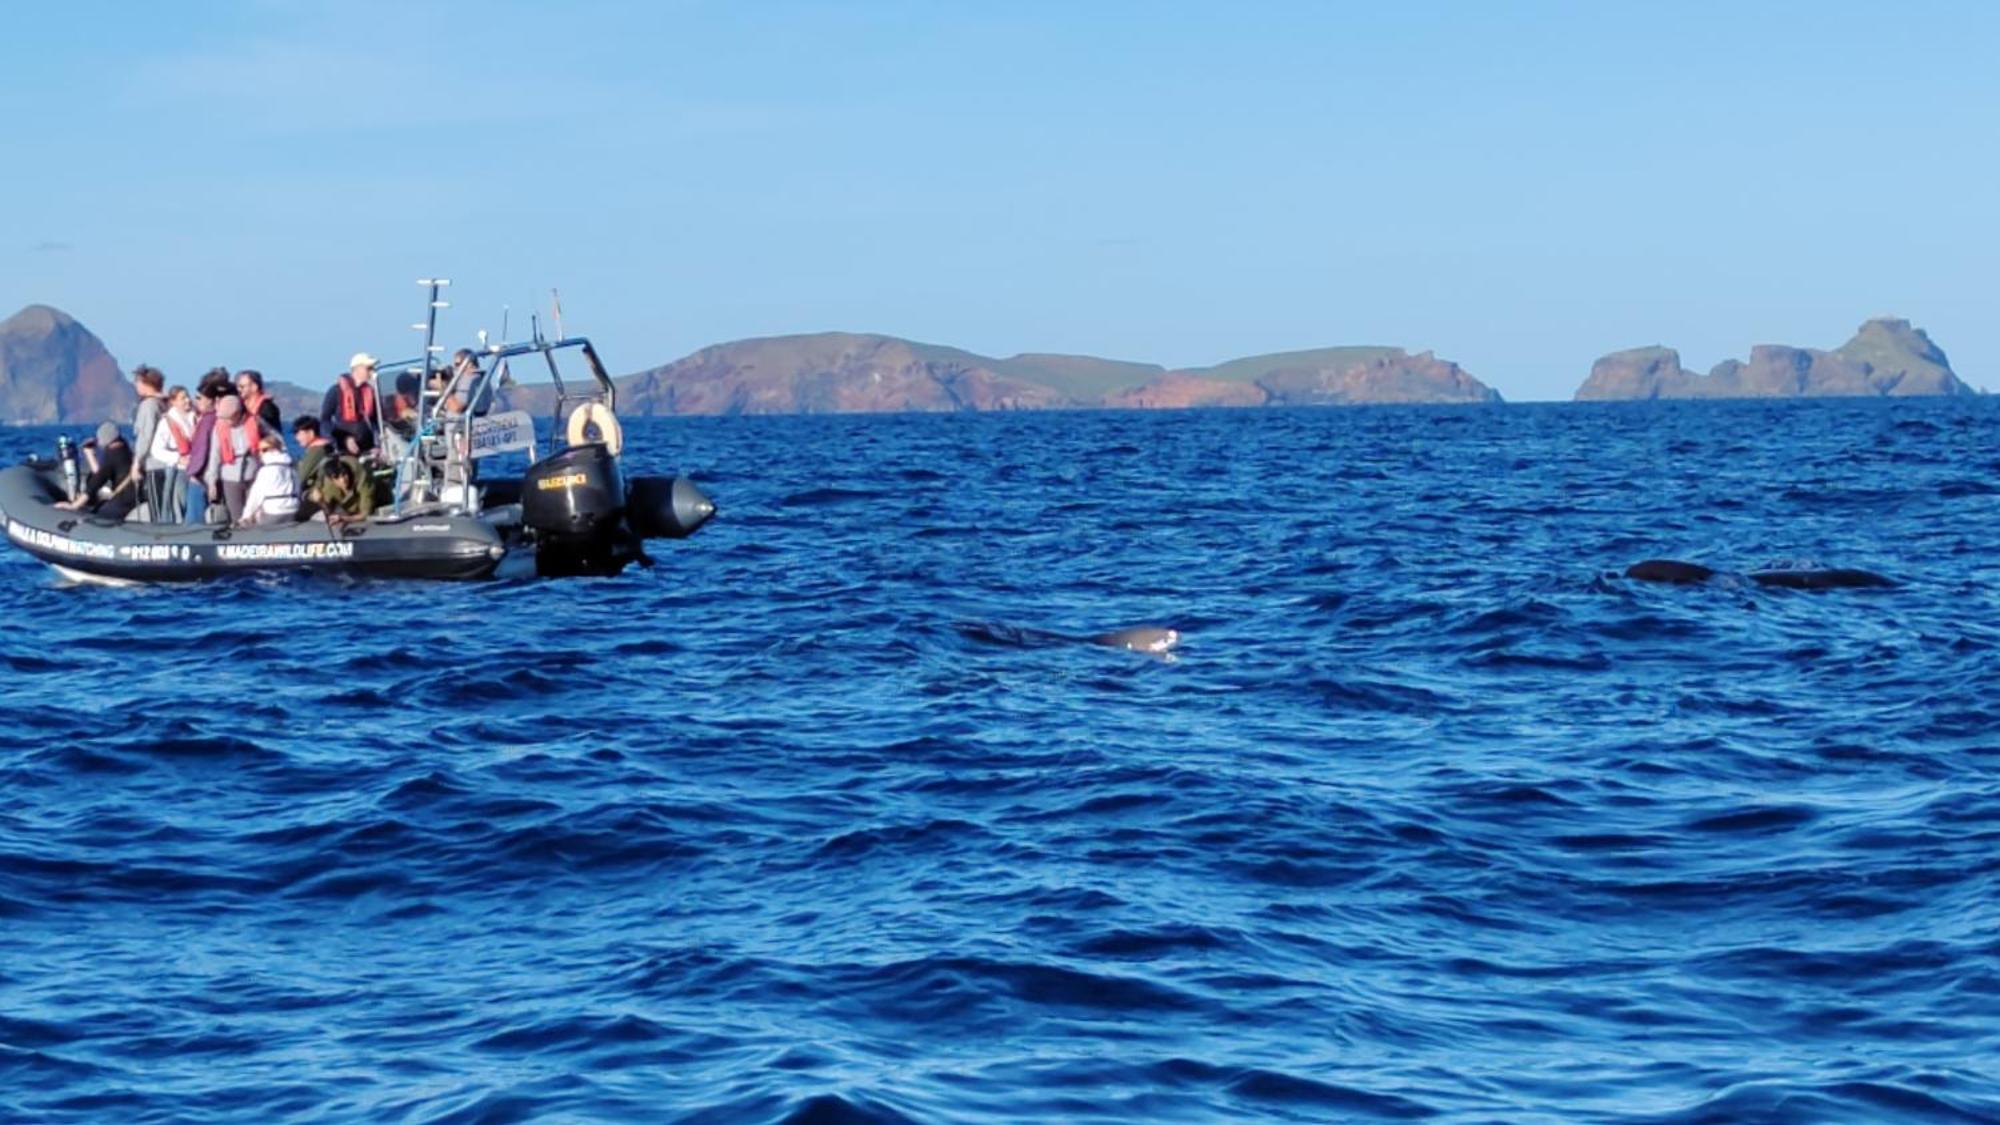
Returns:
(1519, 187)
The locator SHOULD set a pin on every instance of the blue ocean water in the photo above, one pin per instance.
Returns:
(1435, 815)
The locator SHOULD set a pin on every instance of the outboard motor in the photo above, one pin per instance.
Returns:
(575, 503)
(666, 508)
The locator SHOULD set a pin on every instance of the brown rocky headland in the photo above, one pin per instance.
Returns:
(53, 370)
(847, 372)
(1886, 357)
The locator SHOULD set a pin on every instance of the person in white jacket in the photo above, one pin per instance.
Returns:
(274, 491)
(173, 439)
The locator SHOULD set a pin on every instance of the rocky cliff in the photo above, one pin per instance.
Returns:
(1902, 360)
(1394, 376)
(1326, 377)
(1179, 390)
(846, 372)
(827, 373)
(1885, 357)
(53, 370)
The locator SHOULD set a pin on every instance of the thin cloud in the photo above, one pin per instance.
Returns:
(50, 246)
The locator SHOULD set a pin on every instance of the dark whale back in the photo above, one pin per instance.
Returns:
(1788, 578)
(1833, 578)
(1667, 570)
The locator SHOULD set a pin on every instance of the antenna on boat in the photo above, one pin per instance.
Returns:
(431, 348)
(555, 303)
(504, 311)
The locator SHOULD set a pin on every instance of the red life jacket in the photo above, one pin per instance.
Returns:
(183, 439)
(251, 406)
(250, 437)
(356, 403)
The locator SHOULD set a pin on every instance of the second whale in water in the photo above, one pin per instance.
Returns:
(1790, 578)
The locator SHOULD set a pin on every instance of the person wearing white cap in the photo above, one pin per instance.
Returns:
(350, 411)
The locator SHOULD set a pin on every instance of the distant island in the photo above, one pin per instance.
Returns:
(1886, 357)
(840, 372)
(52, 369)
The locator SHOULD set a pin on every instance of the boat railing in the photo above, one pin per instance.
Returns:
(443, 436)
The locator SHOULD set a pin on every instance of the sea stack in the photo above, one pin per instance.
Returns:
(52, 369)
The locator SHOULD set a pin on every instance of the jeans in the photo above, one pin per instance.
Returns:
(176, 493)
(162, 498)
(197, 502)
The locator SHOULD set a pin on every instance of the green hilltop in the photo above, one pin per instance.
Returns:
(1249, 369)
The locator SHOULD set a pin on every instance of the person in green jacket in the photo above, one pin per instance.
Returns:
(345, 491)
(313, 448)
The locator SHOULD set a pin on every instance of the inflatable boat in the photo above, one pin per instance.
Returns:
(572, 511)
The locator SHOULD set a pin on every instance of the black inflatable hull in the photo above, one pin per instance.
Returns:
(435, 547)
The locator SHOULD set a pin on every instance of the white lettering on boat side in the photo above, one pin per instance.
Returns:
(61, 544)
(283, 552)
(154, 552)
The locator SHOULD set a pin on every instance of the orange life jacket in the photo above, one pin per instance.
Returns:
(251, 436)
(356, 403)
(183, 439)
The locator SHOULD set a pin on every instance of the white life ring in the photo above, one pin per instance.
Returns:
(599, 415)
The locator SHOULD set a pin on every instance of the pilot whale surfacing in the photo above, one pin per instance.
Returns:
(1153, 640)
(1817, 578)
(1143, 638)
(1667, 570)
(1788, 578)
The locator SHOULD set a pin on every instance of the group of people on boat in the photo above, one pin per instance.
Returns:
(219, 454)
